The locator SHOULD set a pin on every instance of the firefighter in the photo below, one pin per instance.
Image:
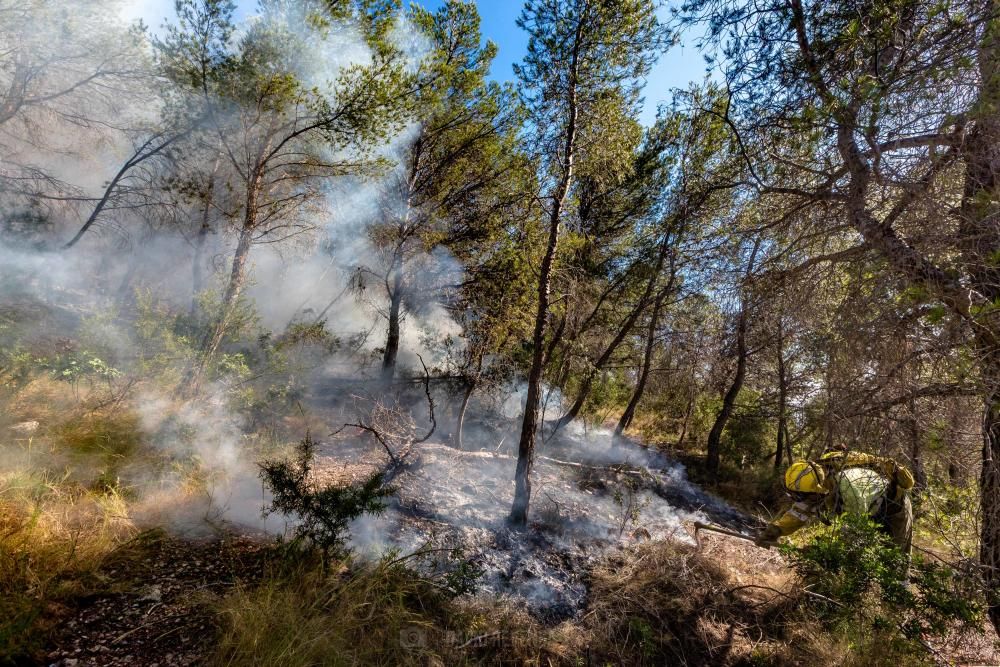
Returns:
(844, 481)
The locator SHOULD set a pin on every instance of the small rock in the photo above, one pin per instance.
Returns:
(70, 662)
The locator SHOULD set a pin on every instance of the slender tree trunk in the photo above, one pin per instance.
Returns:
(392, 335)
(212, 340)
(470, 388)
(647, 361)
(647, 357)
(729, 399)
(623, 331)
(397, 286)
(526, 446)
(782, 398)
(981, 229)
(237, 278)
(529, 424)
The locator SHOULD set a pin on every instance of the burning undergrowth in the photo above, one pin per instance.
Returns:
(592, 496)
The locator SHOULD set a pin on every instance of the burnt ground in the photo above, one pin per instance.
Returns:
(154, 611)
(591, 496)
(155, 606)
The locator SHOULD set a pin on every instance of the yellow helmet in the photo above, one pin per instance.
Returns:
(804, 477)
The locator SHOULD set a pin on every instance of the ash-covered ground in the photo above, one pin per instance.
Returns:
(590, 494)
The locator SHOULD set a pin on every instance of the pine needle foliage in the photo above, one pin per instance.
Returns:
(323, 514)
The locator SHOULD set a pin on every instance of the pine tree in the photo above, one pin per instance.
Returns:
(580, 82)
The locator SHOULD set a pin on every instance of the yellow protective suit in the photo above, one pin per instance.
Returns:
(853, 482)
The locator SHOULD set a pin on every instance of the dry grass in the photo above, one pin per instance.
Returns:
(661, 603)
(53, 539)
(379, 614)
(62, 511)
(667, 603)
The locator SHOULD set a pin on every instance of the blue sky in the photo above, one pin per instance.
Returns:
(675, 69)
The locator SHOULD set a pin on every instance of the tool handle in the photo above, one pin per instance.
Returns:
(724, 531)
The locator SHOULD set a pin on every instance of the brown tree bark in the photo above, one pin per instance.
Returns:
(623, 331)
(647, 356)
(980, 231)
(647, 361)
(742, 353)
(470, 388)
(529, 425)
(395, 283)
(212, 340)
(237, 278)
(392, 333)
(729, 399)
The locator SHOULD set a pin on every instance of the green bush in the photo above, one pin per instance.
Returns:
(857, 576)
(849, 560)
(323, 513)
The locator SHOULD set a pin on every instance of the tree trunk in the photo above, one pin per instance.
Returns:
(470, 388)
(647, 357)
(981, 233)
(623, 331)
(212, 340)
(529, 425)
(392, 335)
(237, 278)
(782, 398)
(729, 400)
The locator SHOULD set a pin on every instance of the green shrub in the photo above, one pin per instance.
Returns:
(856, 576)
(323, 513)
(849, 560)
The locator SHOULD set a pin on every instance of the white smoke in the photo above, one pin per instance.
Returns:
(94, 283)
